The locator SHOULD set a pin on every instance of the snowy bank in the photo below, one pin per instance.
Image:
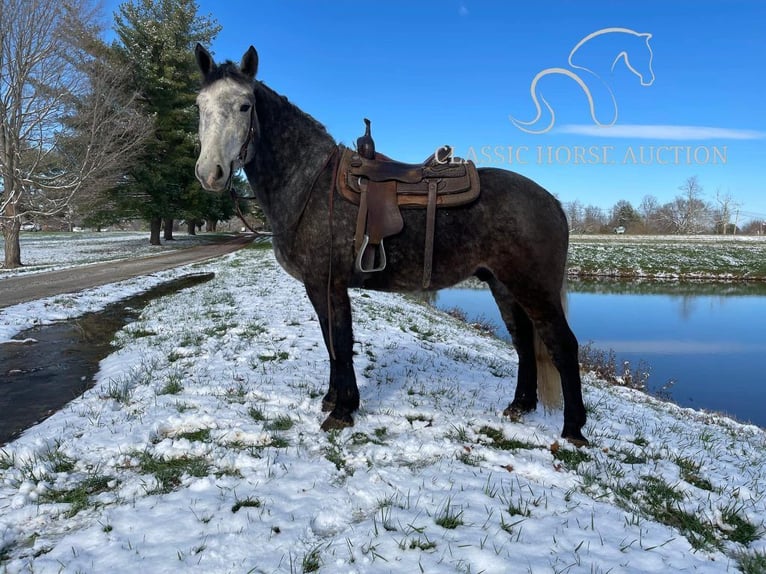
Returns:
(199, 449)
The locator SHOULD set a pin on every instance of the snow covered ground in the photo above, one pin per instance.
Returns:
(199, 450)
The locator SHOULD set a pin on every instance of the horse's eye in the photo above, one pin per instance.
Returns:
(245, 108)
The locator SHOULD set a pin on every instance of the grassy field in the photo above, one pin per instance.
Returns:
(668, 257)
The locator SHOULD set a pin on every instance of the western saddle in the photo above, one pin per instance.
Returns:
(381, 186)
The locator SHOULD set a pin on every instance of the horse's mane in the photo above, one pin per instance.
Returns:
(228, 70)
(281, 104)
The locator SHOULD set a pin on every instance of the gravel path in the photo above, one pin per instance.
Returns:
(20, 289)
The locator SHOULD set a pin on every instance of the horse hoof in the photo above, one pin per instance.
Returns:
(515, 410)
(337, 423)
(575, 438)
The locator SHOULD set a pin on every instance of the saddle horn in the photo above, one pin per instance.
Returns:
(365, 145)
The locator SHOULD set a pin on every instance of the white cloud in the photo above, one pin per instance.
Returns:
(661, 132)
(463, 10)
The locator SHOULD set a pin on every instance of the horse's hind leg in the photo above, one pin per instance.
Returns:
(551, 325)
(533, 308)
(522, 335)
(334, 312)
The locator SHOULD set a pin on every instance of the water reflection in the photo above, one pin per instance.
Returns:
(707, 337)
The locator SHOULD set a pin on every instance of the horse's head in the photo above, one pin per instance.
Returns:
(228, 124)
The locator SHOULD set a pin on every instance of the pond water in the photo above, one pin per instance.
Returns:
(703, 342)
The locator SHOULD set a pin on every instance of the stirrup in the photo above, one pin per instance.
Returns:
(380, 253)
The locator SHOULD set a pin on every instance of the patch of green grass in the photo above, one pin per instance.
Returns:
(279, 442)
(281, 423)
(311, 561)
(256, 414)
(201, 435)
(7, 460)
(662, 503)
(237, 393)
(420, 544)
(57, 460)
(191, 339)
(742, 531)
(218, 329)
(170, 471)
(517, 510)
(690, 472)
(139, 333)
(570, 457)
(173, 386)
(78, 497)
(449, 518)
(360, 438)
(752, 563)
(260, 245)
(500, 442)
(631, 256)
(118, 390)
(632, 458)
(658, 491)
(277, 357)
(253, 329)
(469, 458)
(334, 452)
(246, 503)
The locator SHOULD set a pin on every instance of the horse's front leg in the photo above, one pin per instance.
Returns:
(333, 308)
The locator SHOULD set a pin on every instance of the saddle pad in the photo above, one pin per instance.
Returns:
(457, 183)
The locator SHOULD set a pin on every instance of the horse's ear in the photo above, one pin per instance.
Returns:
(204, 60)
(249, 65)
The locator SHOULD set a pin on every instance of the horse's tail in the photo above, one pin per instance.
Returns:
(548, 377)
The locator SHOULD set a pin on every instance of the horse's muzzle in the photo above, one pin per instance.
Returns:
(213, 177)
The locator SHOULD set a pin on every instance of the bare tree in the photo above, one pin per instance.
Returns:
(594, 219)
(574, 213)
(649, 209)
(688, 213)
(726, 206)
(67, 125)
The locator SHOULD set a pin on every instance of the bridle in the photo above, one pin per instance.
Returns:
(241, 159)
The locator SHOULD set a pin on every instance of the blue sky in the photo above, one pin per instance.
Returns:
(687, 101)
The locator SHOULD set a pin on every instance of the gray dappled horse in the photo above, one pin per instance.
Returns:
(514, 237)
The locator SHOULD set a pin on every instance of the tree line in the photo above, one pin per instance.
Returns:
(101, 132)
(689, 213)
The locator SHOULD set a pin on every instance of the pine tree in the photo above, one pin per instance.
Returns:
(156, 39)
